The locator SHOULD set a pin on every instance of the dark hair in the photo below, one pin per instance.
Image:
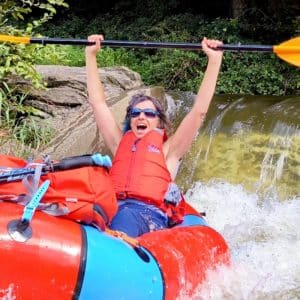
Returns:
(138, 98)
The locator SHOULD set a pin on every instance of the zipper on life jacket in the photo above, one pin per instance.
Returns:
(132, 159)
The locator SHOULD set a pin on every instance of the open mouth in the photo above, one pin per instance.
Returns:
(141, 127)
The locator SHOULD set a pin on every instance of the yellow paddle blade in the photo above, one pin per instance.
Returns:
(15, 39)
(289, 51)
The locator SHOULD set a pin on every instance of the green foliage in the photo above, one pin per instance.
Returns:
(18, 119)
(171, 69)
(32, 135)
(242, 73)
(18, 60)
(52, 55)
(261, 19)
(116, 57)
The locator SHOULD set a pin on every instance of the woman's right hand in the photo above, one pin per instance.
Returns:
(93, 49)
(210, 46)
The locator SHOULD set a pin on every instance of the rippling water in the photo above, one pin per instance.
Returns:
(244, 171)
(254, 141)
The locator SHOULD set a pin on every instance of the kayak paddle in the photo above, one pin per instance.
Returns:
(288, 51)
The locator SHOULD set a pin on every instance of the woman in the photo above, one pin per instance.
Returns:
(145, 162)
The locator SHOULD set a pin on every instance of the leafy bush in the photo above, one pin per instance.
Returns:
(242, 73)
(18, 119)
(18, 60)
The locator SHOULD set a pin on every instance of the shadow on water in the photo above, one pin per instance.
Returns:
(248, 140)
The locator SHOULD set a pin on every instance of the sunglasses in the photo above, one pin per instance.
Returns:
(148, 112)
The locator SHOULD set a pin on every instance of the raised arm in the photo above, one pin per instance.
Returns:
(105, 120)
(180, 142)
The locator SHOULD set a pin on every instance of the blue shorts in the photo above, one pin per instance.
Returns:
(135, 218)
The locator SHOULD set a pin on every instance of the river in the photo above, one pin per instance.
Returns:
(243, 170)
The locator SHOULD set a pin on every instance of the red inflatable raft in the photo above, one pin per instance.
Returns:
(67, 260)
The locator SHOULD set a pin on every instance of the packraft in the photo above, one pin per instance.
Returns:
(41, 252)
(69, 260)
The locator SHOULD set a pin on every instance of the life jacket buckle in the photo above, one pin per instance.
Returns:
(172, 195)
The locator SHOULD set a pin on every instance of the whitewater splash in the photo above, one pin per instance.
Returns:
(251, 144)
(264, 238)
(8, 294)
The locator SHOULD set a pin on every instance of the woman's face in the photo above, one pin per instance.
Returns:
(144, 118)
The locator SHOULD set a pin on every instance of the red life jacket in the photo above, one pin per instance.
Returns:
(139, 171)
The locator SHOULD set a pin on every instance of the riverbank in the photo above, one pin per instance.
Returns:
(63, 109)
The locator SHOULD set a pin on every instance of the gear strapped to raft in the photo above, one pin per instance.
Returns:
(80, 187)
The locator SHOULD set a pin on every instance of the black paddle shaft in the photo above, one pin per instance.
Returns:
(144, 44)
